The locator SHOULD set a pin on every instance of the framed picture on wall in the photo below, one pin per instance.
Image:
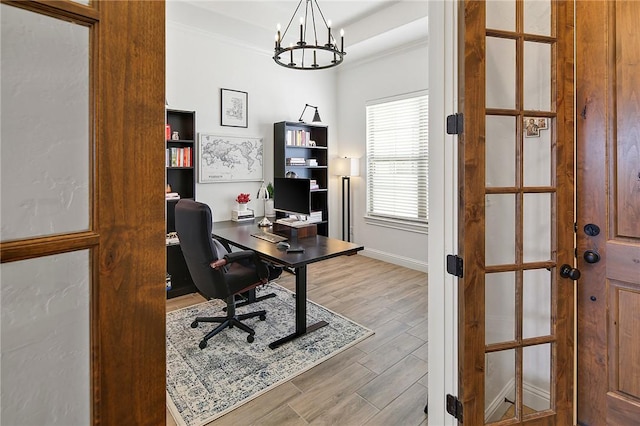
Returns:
(229, 158)
(234, 108)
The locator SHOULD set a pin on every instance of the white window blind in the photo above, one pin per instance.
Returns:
(398, 158)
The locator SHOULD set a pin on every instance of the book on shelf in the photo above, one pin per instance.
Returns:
(312, 162)
(295, 161)
(178, 157)
(298, 137)
(172, 196)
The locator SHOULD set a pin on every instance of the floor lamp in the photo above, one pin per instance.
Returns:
(347, 168)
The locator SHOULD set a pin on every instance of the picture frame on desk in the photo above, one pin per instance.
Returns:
(234, 108)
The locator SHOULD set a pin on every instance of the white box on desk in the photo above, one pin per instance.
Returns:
(237, 215)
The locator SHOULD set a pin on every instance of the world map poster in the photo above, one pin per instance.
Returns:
(230, 158)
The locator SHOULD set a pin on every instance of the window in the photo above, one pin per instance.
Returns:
(398, 160)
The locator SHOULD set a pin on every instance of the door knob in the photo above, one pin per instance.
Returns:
(591, 256)
(566, 271)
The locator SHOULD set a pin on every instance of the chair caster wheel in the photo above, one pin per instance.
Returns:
(263, 317)
(203, 344)
(194, 324)
(250, 338)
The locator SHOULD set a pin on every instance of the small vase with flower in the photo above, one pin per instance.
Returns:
(241, 202)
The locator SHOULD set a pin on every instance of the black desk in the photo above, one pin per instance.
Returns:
(316, 248)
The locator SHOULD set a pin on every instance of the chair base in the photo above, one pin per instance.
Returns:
(250, 298)
(229, 322)
(253, 299)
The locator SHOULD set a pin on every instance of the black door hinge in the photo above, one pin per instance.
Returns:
(454, 407)
(455, 265)
(455, 124)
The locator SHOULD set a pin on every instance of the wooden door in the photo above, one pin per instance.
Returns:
(120, 237)
(608, 212)
(516, 217)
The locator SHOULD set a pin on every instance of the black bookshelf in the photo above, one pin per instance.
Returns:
(180, 179)
(307, 142)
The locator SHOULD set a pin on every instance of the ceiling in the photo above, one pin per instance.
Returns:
(371, 26)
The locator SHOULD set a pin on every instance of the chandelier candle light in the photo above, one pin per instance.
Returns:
(324, 55)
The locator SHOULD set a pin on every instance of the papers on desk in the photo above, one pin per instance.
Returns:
(293, 222)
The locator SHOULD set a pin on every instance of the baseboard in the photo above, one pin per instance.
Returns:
(396, 260)
(533, 397)
(494, 408)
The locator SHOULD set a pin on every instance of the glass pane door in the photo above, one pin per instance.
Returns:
(518, 219)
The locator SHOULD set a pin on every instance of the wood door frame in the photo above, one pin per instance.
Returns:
(127, 225)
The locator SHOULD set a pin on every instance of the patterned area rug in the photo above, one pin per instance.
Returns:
(203, 385)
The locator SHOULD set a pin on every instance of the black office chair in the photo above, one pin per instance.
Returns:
(217, 273)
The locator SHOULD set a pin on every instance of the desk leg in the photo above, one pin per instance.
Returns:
(301, 310)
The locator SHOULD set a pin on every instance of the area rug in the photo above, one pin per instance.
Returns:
(203, 385)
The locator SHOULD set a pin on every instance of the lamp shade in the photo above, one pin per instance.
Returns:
(346, 166)
(263, 192)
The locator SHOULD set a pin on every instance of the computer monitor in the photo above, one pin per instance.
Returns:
(292, 195)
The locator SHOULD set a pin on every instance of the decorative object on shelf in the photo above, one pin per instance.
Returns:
(347, 168)
(167, 129)
(316, 116)
(291, 174)
(307, 53)
(234, 108)
(175, 136)
(214, 151)
(242, 200)
(263, 194)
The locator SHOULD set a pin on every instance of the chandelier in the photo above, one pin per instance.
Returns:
(307, 53)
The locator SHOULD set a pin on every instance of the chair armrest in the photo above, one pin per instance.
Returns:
(238, 255)
(230, 258)
(261, 267)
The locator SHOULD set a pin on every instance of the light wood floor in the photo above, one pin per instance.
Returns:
(380, 381)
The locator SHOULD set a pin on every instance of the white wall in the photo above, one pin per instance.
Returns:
(200, 61)
(400, 72)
